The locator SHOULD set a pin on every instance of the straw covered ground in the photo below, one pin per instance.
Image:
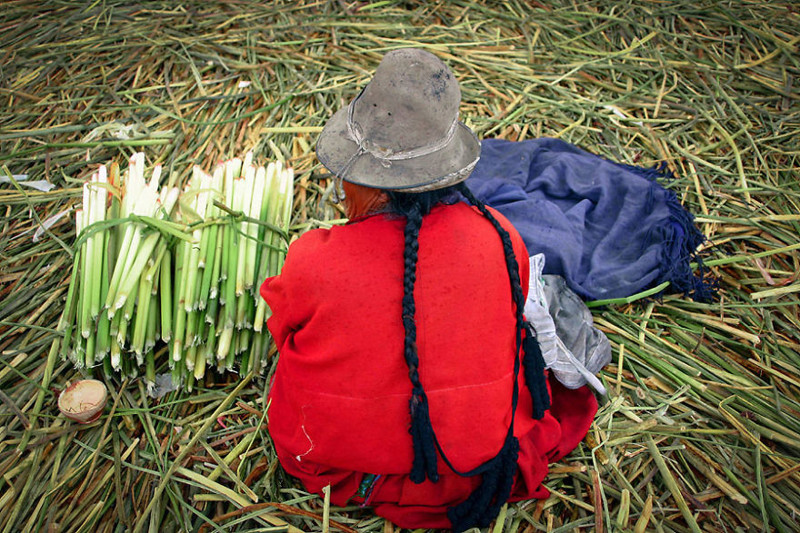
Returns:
(701, 427)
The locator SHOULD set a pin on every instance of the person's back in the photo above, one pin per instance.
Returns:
(342, 376)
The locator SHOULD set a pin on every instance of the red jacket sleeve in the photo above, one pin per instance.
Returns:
(290, 308)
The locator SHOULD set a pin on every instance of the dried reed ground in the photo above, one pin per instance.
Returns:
(700, 431)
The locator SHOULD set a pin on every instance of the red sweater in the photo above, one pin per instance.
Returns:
(339, 401)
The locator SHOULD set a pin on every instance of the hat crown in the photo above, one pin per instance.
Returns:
(402, 131)
(412, 102)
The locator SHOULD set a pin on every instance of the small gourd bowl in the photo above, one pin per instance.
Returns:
(83, 401)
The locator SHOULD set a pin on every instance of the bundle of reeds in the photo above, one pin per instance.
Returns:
(157, 267)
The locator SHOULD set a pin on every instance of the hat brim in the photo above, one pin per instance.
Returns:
(451, 164)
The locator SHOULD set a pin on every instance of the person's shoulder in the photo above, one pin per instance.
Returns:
(463, 208)
(309, 241)
(310, 248)
(516, 238)
(502, 219)
(318, 242)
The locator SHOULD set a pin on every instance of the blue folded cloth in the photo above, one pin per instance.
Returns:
(611, 230)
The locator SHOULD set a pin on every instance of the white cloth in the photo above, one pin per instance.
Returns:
(572, 348)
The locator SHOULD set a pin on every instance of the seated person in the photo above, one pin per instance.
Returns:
(401, 334)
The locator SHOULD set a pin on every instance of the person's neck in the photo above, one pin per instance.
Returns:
(361, 201)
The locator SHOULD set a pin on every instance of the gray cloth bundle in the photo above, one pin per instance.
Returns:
(573, 349)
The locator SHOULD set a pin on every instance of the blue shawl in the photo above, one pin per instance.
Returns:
(611, 230)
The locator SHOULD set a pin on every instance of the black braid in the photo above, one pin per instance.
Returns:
(533, 360)
(413, 207)
(508, 248)
(498, 473)
(421, 429)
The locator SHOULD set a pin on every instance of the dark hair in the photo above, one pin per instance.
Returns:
(414, 206)
(483, 505)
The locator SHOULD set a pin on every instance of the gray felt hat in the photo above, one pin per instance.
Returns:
(402, 131)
